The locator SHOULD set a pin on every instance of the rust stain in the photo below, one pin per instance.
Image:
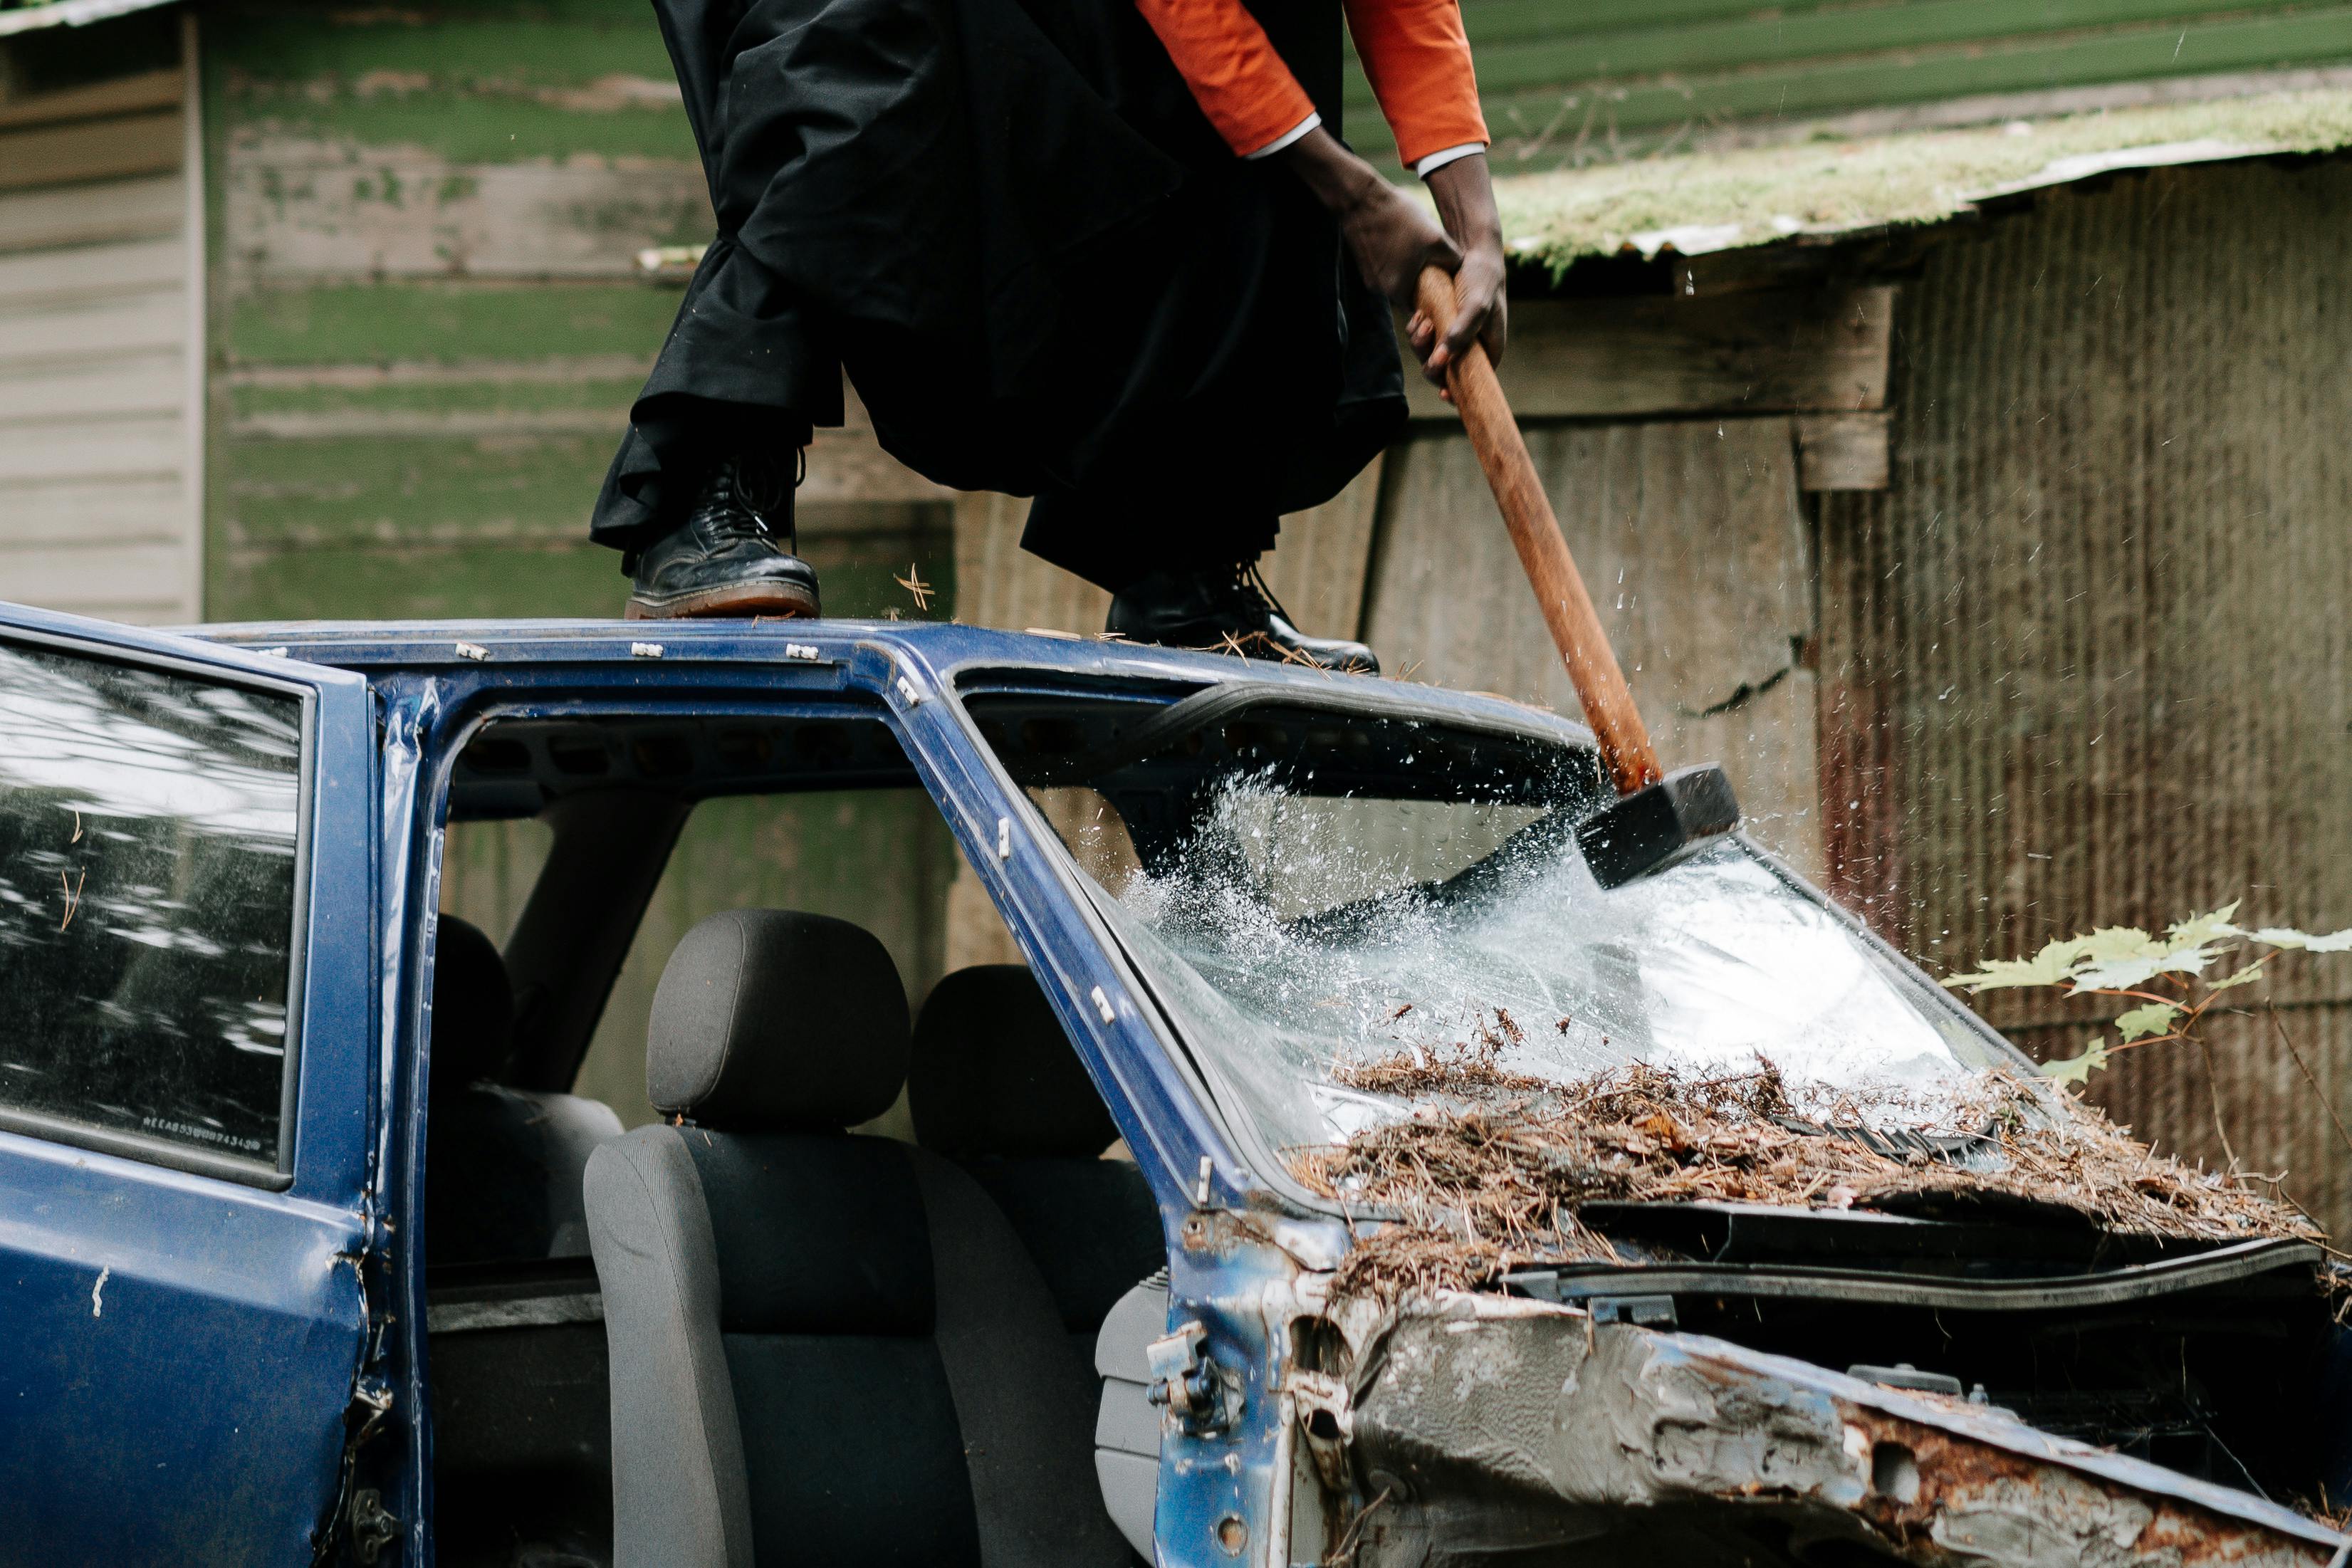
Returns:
(1954, 1475)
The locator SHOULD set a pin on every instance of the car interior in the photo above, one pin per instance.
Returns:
(835, 1296)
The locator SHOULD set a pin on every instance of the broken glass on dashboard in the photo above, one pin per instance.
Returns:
(1310, 893)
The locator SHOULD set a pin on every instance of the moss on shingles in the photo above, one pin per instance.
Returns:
(1717, 200)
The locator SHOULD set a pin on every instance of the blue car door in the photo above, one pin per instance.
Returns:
(184, 1045)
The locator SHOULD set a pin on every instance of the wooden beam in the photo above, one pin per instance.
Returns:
(92, 150)
(1770, 352)
(1319, 559)
(1842, 451)
(98, 100)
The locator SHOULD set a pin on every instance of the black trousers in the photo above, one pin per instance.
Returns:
(1042, 271)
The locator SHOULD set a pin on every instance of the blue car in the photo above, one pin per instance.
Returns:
(309, 1251)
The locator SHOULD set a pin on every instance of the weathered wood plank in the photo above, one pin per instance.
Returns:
(557, 369)
(850, 465)
(1765, 353)
(91, 450)
(94, 214)
(1318, 562)
(404, 424)
(1000, 585)
(456, 324)
(143, 383)
(103, 99)
(300, 211)
(97, 150)
(1842, 451)
(148, 581)
(118, 511)
(69, 275)
(138, 323)
(1690, 537)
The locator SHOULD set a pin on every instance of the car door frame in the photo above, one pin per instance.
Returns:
(192, 1265)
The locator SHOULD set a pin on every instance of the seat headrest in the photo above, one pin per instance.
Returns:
(473, 1006)
(772, 1019)
(993, 1073)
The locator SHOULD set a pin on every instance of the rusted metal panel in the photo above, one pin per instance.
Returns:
(1488, 1426)
(2084, 661)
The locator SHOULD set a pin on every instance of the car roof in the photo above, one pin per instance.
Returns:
(946, 648)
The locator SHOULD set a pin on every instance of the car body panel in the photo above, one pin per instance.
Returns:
(182, 1344)
(203, 1275)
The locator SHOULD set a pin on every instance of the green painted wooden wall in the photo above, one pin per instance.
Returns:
(426, 326)
(427, 320)
(1568, 82)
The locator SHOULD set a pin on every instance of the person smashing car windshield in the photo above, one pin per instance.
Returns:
(1114, 256)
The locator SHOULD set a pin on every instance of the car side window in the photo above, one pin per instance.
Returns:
(150, 834)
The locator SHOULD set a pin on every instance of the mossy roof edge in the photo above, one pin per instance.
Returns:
(1699, 203)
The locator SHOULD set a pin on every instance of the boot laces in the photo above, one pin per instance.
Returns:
(730, 512)
(1251, 584)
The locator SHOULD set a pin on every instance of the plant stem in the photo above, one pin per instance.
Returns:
(2301, 1066)
(2213, 1091)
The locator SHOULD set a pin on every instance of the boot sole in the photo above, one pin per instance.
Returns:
(783, 600)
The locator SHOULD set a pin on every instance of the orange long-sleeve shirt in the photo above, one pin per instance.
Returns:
(1415, 51)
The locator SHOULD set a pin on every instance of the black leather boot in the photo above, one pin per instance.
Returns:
(1226, 609)
(733, 556)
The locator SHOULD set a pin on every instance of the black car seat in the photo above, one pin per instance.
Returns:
(996, 1086)
(826, 1349)
(503, 1167)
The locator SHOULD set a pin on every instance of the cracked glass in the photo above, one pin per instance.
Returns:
(148, 842)
(1306, 893)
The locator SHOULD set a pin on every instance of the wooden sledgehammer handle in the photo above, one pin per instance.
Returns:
(1552, 571)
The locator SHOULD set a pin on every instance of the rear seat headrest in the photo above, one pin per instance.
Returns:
(993, 1073)
(775, 1019)
(473, 1006)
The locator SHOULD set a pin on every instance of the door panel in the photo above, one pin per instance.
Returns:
(184, 1040)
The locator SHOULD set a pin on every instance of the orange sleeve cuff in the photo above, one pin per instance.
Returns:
(1418, 59)
(1225, 57)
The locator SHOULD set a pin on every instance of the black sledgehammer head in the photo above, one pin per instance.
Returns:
(1640, 834)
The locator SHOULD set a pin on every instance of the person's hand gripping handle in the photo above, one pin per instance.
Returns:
(1568, 609)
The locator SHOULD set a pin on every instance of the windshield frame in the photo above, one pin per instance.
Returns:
(1344, 698)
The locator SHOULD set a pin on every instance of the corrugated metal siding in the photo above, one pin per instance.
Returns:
(1568, 82)
(99, 342)
(2086, 662)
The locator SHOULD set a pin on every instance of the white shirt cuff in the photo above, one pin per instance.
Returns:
(1287, 137)
(1439, 159)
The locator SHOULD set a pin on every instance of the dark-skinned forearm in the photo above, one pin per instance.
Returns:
(1340, 180)
(1465, 192)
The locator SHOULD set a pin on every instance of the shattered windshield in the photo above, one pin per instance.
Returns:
(1311, 894)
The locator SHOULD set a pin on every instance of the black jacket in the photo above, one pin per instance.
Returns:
(1044, 271)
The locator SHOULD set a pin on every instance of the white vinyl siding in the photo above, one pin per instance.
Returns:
(100, 350)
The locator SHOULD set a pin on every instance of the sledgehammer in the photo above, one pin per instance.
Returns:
(1658, 818)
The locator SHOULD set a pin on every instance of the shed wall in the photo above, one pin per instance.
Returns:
(101, 327)
(2086, 661)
